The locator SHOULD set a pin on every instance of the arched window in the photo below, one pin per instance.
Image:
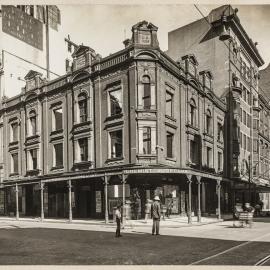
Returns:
(208, 122)
(192, 112)
(32, 123)
(146, 96)
(82, 103)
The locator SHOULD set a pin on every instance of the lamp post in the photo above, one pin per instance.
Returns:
(249, 178)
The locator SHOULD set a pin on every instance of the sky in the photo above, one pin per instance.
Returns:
(105, 27)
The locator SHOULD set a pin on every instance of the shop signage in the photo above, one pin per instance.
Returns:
(153, 171)
(98, 202)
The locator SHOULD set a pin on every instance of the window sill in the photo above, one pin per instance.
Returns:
(13, 143)
(32, 172)
(57, 168)
(170, 118)
(30, 137)
(193, 127)
(114, 159)
(54, 132)
(171, 159)
(14, 174)
(82, 123)
(113, 117)
(208, 134)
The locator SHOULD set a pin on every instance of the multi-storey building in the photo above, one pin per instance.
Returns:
(220, 42)
(31, 37)
(121, 128)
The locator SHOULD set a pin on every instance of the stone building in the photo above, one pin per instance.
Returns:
(221, 44)
(125, 127)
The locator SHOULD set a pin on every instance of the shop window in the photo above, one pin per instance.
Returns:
(82, 103)
(146, 97)
(192, 112)
(147, 140)
(58, 155)
(169, 104)
(220, 161)
(14, 131)
(208, 122)
(209, 157)
(169, 145)
(219, 132)
(83, 144)
(33, 155)
(116, 102)
(58, 119)
(194, 152)
(116, 144)
(15, 164)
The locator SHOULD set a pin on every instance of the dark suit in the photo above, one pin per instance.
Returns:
(155, 209)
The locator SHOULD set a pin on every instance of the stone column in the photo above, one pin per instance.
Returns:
(106, 198)
(124, 177)
(199, 198)
(41, 200)
(189, 176)
(218, 194)
(69, 200)
(17, 201)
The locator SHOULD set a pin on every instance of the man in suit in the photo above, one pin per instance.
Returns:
(155, 209)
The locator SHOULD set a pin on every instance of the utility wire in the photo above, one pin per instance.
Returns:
(29, 62)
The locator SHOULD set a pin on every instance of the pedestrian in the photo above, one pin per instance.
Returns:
(155, 209)
(170, 207)
(147, 210)
(248, 208)
(118, 221)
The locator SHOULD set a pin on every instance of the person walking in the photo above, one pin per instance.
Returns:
(155, 209)
(118, 221)
(147, 210)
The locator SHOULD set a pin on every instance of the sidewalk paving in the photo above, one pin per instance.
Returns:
(174, 222)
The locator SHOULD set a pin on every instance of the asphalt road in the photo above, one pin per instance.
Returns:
(84, 247)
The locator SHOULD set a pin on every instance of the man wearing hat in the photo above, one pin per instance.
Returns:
(155, 209)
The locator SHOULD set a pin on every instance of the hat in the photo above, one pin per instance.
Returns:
(156, 198)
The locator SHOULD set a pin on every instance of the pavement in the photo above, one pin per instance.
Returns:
(209, 228)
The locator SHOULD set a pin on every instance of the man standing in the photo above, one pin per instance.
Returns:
(155, 209)
(118, 221)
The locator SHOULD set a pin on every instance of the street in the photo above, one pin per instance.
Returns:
(26, 242)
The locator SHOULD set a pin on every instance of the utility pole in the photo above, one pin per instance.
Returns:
(249, 178)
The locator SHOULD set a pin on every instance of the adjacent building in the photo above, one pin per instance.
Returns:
(220, 42)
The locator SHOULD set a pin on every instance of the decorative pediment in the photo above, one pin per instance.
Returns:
(32, 74)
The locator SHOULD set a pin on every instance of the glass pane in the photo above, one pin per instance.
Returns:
(116, 102)
(169, 98)
(58, 114)
(146, 96)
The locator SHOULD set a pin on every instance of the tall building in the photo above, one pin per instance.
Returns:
(125, 127)
(31, 37)
(220, 42)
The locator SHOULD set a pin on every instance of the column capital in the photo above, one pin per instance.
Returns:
(189, 177)
(123, 178)
(218, 183)
(198, 177)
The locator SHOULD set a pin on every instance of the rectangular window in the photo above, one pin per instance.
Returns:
(116, 102)
(15, 163)
(169, 145)
(83, 110)
(244, 93)
(248, 98)
(33, 154)
(241, 141)
(33, 125)
(147, 140)
(58, 150)
(116, 138)
(245, 118)
(241, 115)
(83, 144)
(169, 104)
(146, 96)
(219, 133)
(193, 152)
(208, 156)
(245, 142)
(58, 119)
(220, 161)
(14, 128)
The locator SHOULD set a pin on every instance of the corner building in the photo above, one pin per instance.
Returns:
(125, 127)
